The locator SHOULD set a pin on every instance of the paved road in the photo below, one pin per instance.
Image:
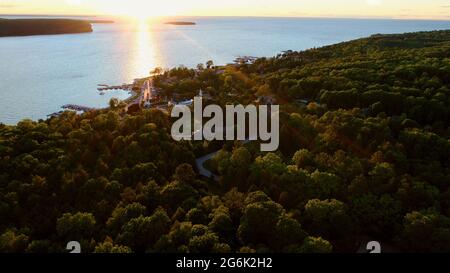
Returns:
(146, 93)
(199, 162)
(147, 90)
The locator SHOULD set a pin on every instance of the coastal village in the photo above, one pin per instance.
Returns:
(144, 95)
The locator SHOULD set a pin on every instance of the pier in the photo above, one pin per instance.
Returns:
(76, 107)
(104, 87)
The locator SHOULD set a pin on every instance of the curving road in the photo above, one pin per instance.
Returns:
(199, 162)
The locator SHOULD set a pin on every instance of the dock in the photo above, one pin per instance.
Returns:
(76, 107)
(55, 115)
(105, 87)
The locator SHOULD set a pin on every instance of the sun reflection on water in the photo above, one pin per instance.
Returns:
(147, 55)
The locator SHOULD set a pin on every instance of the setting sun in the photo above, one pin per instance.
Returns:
(140, 9)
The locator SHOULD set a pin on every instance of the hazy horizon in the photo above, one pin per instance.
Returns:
(227, 16)
(354, 9)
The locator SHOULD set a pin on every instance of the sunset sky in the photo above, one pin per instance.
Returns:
(431, 9)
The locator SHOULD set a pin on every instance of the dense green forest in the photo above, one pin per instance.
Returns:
(364, 153)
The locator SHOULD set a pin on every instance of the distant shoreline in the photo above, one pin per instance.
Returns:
(30, 27)
(100, 21)
(181, 23)
(75, 15)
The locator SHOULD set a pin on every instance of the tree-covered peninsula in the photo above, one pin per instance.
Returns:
(27, 27)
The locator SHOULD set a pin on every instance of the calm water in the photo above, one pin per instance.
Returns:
(38, 74)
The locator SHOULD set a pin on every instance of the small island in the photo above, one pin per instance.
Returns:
(27, 27)
(181, 23)
(101, 21)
